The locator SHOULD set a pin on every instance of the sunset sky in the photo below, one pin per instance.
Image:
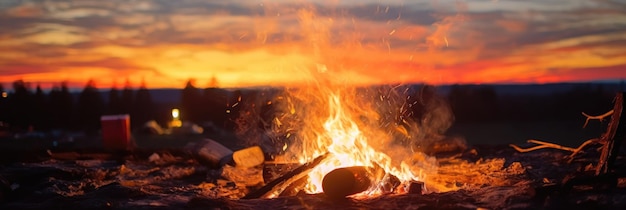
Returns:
(283, 42)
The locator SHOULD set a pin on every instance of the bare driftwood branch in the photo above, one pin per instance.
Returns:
(610, 145)
(599, 117)
(542, 145)
(613, 137)
(583, 145)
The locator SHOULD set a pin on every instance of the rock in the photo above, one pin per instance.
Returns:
(154, 157)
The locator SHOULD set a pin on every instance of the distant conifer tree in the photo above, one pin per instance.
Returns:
(214, 105)
(115, 105)
(128, 95)
(191, 105)
(3, 104)
(61, 107)
(21, 105)
(90, 107)
(143, 106)
(40, 109)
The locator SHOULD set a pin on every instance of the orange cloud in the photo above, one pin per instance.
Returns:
(286, 43)
(26, 10)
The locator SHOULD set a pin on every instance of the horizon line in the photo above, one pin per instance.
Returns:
(100, 89)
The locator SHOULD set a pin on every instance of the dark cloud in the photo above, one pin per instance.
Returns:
(539, 37)
(12, 68)
(95, 24)
(14, 26)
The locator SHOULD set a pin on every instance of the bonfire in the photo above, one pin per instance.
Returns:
(341, 144)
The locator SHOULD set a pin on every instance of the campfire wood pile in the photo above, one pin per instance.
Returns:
(491, 177)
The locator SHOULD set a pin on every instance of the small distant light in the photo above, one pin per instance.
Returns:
(228, 111)
(175, 113)
(5, 94)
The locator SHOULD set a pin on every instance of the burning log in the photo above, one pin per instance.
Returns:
(295, 188)
(390, 183)
(342, 182)
(277, 185)
(416, 187)
(273, 170)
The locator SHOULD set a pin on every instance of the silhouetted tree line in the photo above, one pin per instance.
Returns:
(472, 103)
(210, 105)
(24, 109)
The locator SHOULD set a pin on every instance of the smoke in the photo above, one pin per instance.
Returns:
(401, 122)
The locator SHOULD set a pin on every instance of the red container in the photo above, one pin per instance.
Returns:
(115, 132)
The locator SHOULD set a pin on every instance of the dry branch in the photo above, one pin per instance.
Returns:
(542, 145)
(611, 140)
(598, 117)
(583, 145)
(613, 137)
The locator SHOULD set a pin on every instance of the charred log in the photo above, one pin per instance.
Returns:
(416, 187)
(273, 171)
(343, 182)
(295, 188)
(277, 185)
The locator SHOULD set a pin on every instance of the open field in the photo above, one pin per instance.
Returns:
(567, 133)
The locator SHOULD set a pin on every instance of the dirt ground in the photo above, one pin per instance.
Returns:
(162, 175)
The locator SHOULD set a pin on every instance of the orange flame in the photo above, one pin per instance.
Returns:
(357, 126)
(348, 146)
